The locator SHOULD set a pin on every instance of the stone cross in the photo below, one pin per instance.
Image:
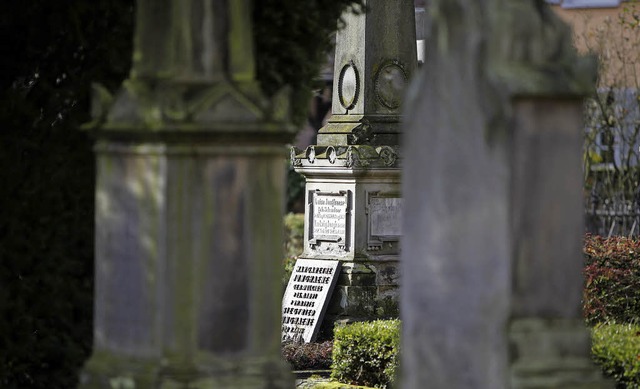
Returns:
(189, 190)
(491, 257)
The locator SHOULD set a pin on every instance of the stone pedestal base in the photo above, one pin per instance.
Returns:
(187, 271)
(366, 290)
(353, 211)
(550, 354)
(105, 371)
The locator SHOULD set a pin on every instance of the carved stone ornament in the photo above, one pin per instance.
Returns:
(311, 154)
(331, 154)
(348, 86)
(388, 156)
(362, 134)
(354, 159)
(294, 161)
(390, 84)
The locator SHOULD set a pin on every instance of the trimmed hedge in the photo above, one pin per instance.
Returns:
(366, 353)
(332, 385)
(616, 348)
(612, 279)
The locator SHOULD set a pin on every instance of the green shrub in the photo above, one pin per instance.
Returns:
(612, 279)
(616, 348)
(366, 353)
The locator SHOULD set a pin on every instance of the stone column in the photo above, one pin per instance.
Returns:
(357, 159)
(491, 257)
(189, 201)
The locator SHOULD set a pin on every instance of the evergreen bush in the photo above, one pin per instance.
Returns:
(616, 348)
(366, 353)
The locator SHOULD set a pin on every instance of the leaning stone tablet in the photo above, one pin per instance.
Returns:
(306, 298)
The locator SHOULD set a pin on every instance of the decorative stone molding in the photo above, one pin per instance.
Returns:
(353, 157)
(388, 155)
(349, 86)
(167, 110)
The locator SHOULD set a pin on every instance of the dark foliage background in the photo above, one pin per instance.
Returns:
(293, 38)
(51, 52)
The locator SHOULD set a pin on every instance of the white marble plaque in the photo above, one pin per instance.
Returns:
(306, 298)
(329, 221)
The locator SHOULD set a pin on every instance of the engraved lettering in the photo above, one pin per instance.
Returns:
(329, 216)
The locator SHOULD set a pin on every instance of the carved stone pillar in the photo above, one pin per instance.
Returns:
(357, 160)
(188, 209)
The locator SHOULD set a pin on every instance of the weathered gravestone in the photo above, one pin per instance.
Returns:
(353, 203)
(492, 184)
(189, 193)
(306, 298)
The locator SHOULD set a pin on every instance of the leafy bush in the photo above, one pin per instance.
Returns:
(616, 348)
(308, 356)
(612, 279)
(366, 353)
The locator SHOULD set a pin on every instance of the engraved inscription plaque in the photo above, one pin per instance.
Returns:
(306, 298)
(384, 212)
(329, 217)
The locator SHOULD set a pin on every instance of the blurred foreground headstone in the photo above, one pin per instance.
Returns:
(189, 211)
(492, 183)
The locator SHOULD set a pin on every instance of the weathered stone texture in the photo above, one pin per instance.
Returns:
(492, 194)
(189, 209)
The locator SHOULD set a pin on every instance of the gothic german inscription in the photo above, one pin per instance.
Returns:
(306, 298)
(330, 217)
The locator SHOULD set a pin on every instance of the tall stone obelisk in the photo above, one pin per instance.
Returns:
(356, 162)
(189, 200)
